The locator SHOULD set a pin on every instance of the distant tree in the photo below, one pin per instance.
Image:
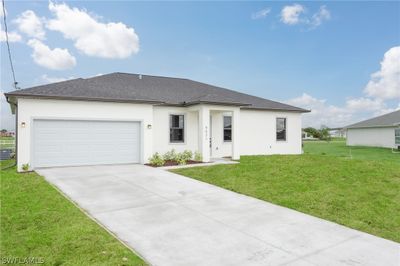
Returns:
(3, 131)
(312, 131)
(324, 134)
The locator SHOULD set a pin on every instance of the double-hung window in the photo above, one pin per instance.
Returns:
(397, 136)
(281, 129)
(176, 128)
(227, 128)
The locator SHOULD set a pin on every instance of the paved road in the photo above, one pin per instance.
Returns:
(173, 220)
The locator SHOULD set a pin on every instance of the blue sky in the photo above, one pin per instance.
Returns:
(318, 55)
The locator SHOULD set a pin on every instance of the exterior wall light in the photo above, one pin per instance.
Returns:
(23, 124)
(148, 126)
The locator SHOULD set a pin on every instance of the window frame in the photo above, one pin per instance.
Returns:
(276, 129)
(223, 129)
(183, 128)
(397, 130)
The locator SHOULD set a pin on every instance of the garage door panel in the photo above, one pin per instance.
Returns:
(63, 142)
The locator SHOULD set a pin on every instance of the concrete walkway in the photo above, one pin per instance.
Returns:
(173, 220)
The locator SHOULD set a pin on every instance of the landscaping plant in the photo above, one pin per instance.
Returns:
(170, 155)
(184, 156)
(198, 157)
(25, 167)
(156, 159)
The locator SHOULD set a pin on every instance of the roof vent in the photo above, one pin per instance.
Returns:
(140, 76)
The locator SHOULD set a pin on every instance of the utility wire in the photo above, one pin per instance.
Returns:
(8, 44)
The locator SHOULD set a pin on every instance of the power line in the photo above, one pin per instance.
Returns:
(8, 45)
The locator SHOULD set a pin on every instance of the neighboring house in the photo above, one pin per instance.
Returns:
(126, 118)
(381, 131)
(337, 132)
(7, 134)
(307, 136)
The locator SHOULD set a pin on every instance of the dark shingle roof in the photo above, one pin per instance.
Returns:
(387, 120)
(123, 87)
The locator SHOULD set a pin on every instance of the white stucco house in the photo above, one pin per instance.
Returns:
(126, 118)
(381, 131)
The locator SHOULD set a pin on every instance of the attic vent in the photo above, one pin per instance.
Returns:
(140, 76)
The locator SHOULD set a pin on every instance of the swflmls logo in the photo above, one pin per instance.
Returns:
(24, 260)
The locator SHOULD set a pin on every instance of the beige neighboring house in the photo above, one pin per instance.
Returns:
(381, 131)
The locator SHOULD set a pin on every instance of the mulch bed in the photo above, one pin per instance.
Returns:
(172, 163)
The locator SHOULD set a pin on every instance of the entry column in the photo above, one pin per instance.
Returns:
(204, 133)
(236, 134)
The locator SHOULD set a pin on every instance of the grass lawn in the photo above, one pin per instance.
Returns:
(7, 142)
(339, 149)
(37, 221)
(7, 138)
(361, 191)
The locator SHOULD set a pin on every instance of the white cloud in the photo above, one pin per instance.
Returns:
(2, 12)
(353, 111)
(30, 24)
(365, 104)
(385, 83)
(93, 38)
(48, 79)
(12, 36)
(291, 14)
(329, 115)
(56, 59)
(261, 13)
(296, 14)
(386, 110)
(322, 15)
(321, 113)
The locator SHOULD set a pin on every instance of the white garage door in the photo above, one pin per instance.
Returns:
(69, 142)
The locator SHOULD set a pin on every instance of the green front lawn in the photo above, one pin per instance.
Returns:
(37, 221)
(339, 149)
(361, 191)
(7, 138)
(7, 143)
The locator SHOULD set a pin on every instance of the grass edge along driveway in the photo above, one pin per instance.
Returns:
(361, 194)
(39, 222)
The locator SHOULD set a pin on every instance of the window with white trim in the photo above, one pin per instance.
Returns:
(227, 128)
(397, 136)
(176, 128)
(281, 129)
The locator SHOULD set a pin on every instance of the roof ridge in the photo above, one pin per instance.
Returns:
(145, 75)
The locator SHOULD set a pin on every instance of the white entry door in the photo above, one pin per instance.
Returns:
(81, 142)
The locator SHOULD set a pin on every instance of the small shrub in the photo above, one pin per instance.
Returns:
(187, 155)
(25, 167)
(198, 157)
(183, 157)
(180, 159)
(156, 159)
(170, 155)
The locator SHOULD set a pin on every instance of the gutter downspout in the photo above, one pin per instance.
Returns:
(16, 135)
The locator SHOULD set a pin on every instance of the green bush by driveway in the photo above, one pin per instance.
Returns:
(38, 222)
(359, 193)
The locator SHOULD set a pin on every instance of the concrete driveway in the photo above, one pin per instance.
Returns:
(173, 220)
